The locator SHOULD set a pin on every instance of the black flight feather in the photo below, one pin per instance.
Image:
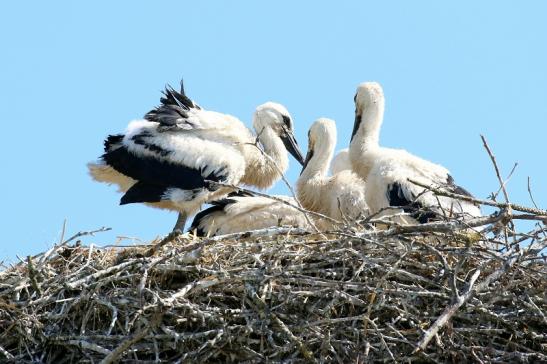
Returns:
(397, 198)
(112, 141)
(155, 171)
(218, 205)
(173, 108)
(143, 192)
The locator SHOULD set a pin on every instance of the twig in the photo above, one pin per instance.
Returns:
(506, 179)
(6, 354)
(104, 272)
(118, 352)
(62, 243)
(447, 313)
(451, 310)
(260, 233)
(85, 345)
(502, 186)
(538, 310)
(530, 194)
(481, 202)
(498, 174)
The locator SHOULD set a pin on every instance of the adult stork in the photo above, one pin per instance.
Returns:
(169, 159)
(387, 171)
(340, 196)
(241, 212)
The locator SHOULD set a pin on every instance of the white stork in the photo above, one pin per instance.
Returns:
(340, 196)
(168, 159)
(387, 171)
(241, 212)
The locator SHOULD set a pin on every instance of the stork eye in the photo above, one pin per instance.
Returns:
(355, 98)
(287, 121)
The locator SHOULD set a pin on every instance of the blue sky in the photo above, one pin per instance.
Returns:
(73, 72)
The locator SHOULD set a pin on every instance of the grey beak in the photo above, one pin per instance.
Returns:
(292, 146)
(309, 156)
(356, 125)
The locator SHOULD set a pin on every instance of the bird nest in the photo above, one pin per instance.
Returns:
(432, 293)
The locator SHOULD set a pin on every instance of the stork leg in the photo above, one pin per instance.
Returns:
(181, 221)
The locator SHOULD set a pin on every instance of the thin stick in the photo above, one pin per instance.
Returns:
(530, 193)
(493, 158)
(64, 243)
(447, 313)
(63, 232)
(6, 353)
(501, 205)
(85, 345)
(506, 179)
(114, 355)
(502, 186)
(452, 309)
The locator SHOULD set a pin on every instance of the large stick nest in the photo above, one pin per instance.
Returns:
(431, 293)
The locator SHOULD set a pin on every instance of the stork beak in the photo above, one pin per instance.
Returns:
(309, 156)
(292, 146)
(356, 124)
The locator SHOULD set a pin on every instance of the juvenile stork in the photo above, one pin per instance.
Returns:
(387, 171)
(340, 196)
(169, 159)
(241, 212)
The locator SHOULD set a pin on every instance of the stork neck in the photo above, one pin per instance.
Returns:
(318, 165)
(368, 133)
(274, 148)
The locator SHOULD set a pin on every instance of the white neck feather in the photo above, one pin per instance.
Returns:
(262, 170)
(314, 176)
(274, 148)
(368, 134)
(320, 161)
(366, 138)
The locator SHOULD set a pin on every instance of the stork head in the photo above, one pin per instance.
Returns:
(321, 136)
(369, 96)
(277, 118)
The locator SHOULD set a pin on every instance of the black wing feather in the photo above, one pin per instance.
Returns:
(201, 215)
(218, 205)
(158, 172)
(143, 192)
(173, 109)
(113, 141)
(397, 198)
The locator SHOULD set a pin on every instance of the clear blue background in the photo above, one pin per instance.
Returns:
(71, 73)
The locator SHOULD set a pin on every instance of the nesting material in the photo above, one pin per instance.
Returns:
(430, 293)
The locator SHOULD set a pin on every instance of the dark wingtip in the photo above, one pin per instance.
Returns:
(200, 216)
(124, 200)
(182, 87)
(111, 141)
